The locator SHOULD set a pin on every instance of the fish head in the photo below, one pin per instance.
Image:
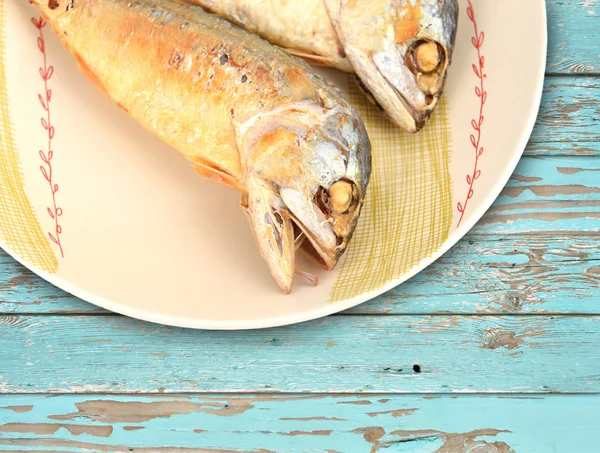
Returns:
(308, 168)
(401, 51)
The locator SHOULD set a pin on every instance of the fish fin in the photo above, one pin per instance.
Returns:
(217, 175)
(317, 60)
(88, 73)
(300, 85)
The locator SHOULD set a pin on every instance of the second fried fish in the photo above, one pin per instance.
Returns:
(399, 49)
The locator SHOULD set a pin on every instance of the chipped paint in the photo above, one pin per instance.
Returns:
(309, 433)
(113, 411)
(311, 419)
(494, 339)
(546, 191)
(371, 434)
(393, 413)
(520, 178)
(52, 428)
(448, 424)
(573, 171)
(459, 442)
(18, 408)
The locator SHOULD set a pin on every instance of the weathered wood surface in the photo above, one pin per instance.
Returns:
(567, 123)
(285, 424)
(545, 194)
(572, 36)
(382, 354)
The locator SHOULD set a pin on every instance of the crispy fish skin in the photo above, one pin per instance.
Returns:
(379, 40)
(244, 112)
(312, 38)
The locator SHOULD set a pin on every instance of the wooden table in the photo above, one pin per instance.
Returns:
(494, 348)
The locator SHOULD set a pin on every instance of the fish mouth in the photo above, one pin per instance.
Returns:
(283, 223)
(409, 80)
(415, 76)
(323, 234)
(286, 221)
(415, 119)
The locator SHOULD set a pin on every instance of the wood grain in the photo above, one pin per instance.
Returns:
(526, 274)
(567, 123)
(348, 424)
(573, 36)
(384, 354)
(560, 194)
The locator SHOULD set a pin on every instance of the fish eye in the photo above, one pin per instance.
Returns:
(426, 61)
(342, 196)
(338, 199)
(427, 56)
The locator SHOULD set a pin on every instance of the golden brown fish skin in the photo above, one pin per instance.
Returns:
(312, 38)
(402, 49)
(236, 107)
(189, 50)
(349, 34)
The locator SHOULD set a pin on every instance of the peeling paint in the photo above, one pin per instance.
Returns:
(574, 170)
(114, 411)
(87, 446)
(52, 428)
(310, 419)
(456, 442)
(309, 433)
(494, 339)
(393, 413)
(372, 434)
(18, 408)
(546, 191)
(521, 178)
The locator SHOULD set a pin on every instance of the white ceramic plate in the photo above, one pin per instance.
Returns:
(134, 229)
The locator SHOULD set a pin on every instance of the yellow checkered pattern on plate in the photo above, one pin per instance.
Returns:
(19, 226)
(408, 210)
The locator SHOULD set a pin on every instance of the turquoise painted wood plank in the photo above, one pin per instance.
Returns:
(573, 36)
(496, 274)
(286, 424)
(481, 274)
(382, 354)
(547, 194)
(23, 291)
(567, 123)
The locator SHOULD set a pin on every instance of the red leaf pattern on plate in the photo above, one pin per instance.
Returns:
(46, 72)
(476, 123)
